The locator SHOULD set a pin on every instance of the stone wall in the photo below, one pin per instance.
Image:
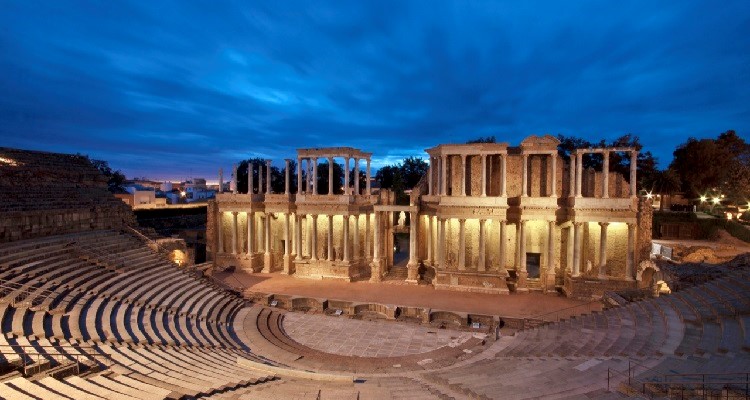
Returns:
(44, 194)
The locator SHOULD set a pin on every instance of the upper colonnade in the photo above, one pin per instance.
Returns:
(312, 156)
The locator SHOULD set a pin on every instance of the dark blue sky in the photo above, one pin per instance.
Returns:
(173, 89)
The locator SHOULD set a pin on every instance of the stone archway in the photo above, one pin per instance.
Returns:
(648, 273)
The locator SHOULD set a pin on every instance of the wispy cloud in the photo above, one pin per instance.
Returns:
(172, 89)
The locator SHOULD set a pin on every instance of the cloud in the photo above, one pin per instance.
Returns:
(172, 89)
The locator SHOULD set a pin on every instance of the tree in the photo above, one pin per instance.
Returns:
(618, 162)
(664, 183)
(721, 165)
(388, 175)
(483, 139)
(278, 176)
(338, 178)
(412, 170)
(115, 179)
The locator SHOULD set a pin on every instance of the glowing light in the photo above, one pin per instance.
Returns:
(716, 200)
(9, 162)
(183, 193)
(703, 199)
(649, 196)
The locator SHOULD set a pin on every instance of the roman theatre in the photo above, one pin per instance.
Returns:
(512, 273)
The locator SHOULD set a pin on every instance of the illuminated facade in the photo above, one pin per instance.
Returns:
(584, 231)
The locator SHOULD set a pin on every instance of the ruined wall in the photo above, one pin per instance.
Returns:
(44, 194)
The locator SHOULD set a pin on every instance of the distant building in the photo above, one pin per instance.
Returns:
(196, 190)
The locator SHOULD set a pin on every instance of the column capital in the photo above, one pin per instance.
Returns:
(461, 220)
(632, 224)
(235, 213)
(604, 224)
(577, 224)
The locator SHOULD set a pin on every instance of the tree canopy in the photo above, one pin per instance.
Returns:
(618, 162)
(115, 178)
(402, 176)
(714, 165)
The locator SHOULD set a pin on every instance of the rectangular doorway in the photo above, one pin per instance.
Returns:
(533, 261)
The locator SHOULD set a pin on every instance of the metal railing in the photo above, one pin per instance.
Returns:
(31, 359)
(28, 295)
(728, 385)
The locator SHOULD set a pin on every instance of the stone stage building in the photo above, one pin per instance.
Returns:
(584, 231)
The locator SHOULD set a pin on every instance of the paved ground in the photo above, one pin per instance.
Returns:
(516, 305)
(349, 337)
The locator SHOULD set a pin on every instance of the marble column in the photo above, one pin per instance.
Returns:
(329, 256)
(368, 254)
(504, 175)
(299, 175)
(503, 249)
(250, 179)
(569, 267)
(367, 178)
(314, 238)
(430, 230)
(221, 180)
(330, 176)
(268, 176)
(287, 245)
(234, 232)
(553, 157)
(551, 256)
(521, 272)
(314, 176)
(260, 178)
(220, 232)
(463, 175)
(525, 176)
(355, 238)
(286, 176)
(577, 237)
(429, 172)
(233, 185)
(630, 256)
(250, 233)
(461, 244)
(412, 266)
(579, 174)
(346, 176)
(603, 249)
(441, 243)
(298, 235)
(356, 176)
(345, 237)
(484, 175)
(633, 169)
(267, 260)
(605, 176)
(375, 266)
(522, 245)
(444, 175)
(482, 253)
(572, 176)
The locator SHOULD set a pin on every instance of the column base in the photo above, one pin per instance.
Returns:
(287, 264)
(376, 272)
(521, 277)
(412, 275)
(267, 262)
(549, 285)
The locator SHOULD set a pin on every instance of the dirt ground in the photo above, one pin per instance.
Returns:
(514, 305)
(716, 251)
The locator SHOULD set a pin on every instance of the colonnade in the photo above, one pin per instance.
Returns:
(311, 172)
(575, 248)
(304, 227)
(577, 166)
(440, 166)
